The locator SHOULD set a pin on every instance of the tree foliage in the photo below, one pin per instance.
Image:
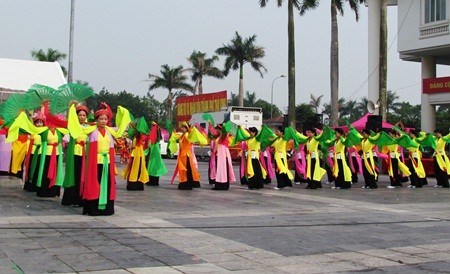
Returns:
(202, 66)
(239, 52)
(51, 55)
(250, 100)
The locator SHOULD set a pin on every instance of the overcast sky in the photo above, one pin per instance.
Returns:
(117, 43)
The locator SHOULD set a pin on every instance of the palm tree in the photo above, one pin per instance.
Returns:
(250, 99)
(361, 107)
(52, 55)
(315, 102)
(239, 52)
(171, 78)
(202, 66)
(299, 5)
(383, 95)
(336, 6)
(392, 104)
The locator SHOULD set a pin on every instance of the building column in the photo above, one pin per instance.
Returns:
(428, 113)
(374, 13)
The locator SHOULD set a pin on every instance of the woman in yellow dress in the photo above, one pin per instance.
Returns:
(314, 172)
(99, 188)
(369, 163)
(75, 162)
(341, 171)
(33, 158)
(283, 174)
(441, 161)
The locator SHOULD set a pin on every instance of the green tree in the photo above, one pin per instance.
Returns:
(361, 107)
(239, 52)
(443, 118)
(392, 103)
(52, 55)
(138, 106)
(250, 100)
(408, 114)
(171, 78)
(234, 100)
(202, 66)
(299, 5)
(265, 106)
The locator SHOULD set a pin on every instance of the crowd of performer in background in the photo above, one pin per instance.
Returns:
(34, 147)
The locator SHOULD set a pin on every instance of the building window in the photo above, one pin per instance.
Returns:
(435, 10)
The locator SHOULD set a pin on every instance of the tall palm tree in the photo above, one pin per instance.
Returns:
(202, 66)
(383, 95)
(299, 5)
(171, 78)
(239, 52)
(52, 55)
(315, 102)
(392, 104)
(336, 6)
(361, 107)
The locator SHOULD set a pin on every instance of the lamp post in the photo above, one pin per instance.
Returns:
(271, 94)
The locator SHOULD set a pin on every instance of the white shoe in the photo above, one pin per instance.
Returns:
(410, 186)
(413, 187)
(276, 188)
(391, 187)
(333, 187)
(364, 187)
(297, 183)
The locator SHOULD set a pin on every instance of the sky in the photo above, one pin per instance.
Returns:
(117, 43)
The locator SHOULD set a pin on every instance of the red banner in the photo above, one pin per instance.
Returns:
(188, 105)
(436, 85)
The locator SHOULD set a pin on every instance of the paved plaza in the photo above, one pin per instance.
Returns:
(165, 230)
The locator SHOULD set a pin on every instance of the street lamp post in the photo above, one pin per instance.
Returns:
(271, 94)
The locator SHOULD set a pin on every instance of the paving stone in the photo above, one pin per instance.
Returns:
(163, 230)
(157, 269)
(88, 262)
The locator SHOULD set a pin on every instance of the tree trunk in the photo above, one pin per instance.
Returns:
(291, 65)
(70, 68)
(241, 85)
(169, 106)
(383, 60)
(334, 67)
(200, 85)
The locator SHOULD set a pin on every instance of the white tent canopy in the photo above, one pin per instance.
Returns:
(19, 75)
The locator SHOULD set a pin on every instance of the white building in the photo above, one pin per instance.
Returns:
(423, 36)
(20, 75)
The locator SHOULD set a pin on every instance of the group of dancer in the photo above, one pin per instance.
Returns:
(342, 156)
(36, 153)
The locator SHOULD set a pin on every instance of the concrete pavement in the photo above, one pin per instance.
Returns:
(164, 230)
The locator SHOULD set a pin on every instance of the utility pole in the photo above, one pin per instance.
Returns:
(72, 15)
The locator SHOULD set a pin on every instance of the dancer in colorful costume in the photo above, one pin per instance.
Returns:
(99, 189)
(186, 167)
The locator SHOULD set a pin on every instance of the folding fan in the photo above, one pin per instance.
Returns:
(12, 107)
(69, 94)
(38, 94)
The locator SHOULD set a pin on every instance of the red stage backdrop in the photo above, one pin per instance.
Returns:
(436, 85)
(188, 105)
